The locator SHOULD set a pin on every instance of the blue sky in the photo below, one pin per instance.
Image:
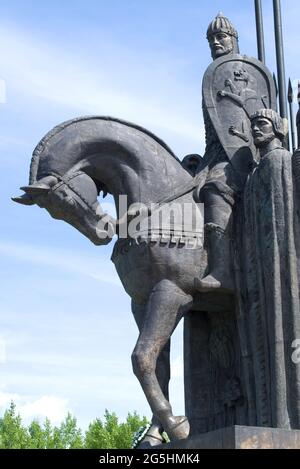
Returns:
(67, 332)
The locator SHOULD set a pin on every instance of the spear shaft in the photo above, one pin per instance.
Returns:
(260, 32)
(292, 126)
(280, 58)
(298, 117)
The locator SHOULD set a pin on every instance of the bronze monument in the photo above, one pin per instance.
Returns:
(238, 290)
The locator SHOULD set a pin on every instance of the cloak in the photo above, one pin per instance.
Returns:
(268, 292)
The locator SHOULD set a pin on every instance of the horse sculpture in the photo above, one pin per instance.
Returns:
(70, 166)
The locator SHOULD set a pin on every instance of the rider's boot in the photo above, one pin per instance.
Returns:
(220, 273)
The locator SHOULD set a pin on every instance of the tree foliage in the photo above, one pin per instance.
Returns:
(12, 433)
(101, 434)
(112, 434)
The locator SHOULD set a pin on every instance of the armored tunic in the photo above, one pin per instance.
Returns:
(234, 87)
(221, 176)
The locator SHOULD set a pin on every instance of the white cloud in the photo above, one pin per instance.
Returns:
(63, 260)
(2, 92)
(3, 357)
(6, 398)
(32, 67)
(52, 407)
(177, 367)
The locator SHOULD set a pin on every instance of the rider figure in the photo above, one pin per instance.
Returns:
(223, 183)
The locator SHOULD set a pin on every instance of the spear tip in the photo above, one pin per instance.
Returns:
(290, 92)
(275, 83)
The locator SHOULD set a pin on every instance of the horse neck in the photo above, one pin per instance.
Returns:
(144, 178)
(127, 159)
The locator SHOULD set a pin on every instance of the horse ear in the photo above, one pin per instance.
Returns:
(36, 189)
(24, 199)
(40, 187)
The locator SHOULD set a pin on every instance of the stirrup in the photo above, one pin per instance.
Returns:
(204, 286)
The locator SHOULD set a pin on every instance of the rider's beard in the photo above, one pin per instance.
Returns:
(264, 139)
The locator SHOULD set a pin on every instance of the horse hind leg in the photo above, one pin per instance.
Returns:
(153, 436)
(166, 306)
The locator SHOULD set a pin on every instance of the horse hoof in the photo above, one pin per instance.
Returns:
(179, 428)
(152, 438)
(149, 442)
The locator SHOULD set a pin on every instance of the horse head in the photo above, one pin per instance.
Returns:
(80, 158)
(73, 199)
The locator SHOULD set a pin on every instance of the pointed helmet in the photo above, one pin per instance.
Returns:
(221, 24)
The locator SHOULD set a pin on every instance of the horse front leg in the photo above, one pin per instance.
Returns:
(153, 436)
(166, 306)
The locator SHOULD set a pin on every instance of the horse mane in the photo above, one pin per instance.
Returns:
(41, 145)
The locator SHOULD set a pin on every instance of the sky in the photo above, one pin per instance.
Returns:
(66, 329)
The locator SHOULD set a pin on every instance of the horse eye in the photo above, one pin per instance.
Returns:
(70, 201)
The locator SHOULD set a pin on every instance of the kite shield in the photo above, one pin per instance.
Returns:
(234, 87)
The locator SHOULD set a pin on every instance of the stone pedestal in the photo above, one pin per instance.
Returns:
(213, 377)
(239, 437)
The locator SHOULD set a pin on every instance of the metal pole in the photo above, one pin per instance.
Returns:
(298, 116)
(290, 100)
(280, 59)
(260, 31)
(275, 83)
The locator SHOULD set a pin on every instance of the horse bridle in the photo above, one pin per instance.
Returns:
(67, 180)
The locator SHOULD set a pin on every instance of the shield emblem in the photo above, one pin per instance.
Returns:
(234, 87)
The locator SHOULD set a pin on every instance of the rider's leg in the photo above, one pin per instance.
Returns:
(166, 305)
(162, 372)
(217, 231)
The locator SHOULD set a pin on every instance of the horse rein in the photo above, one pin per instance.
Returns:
(180, 192)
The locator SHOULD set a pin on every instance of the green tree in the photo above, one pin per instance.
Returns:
(41, 436)
(48, 434)
(105, 434)
(12, 434)
(111, 434)
(68, 435)
(37, 436)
